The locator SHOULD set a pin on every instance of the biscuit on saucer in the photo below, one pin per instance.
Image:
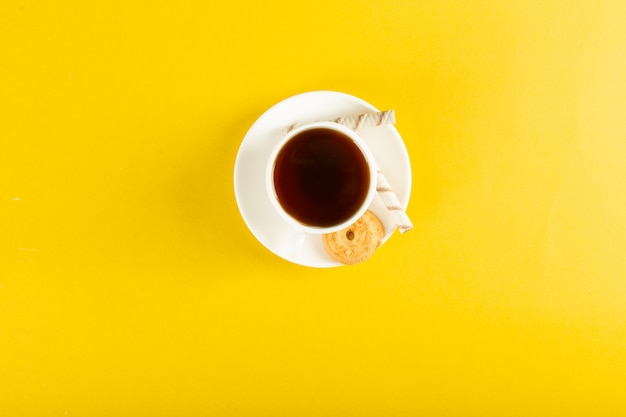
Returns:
(355, 243)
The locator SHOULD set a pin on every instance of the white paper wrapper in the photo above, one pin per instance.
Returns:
(390, 199)
(359, 121)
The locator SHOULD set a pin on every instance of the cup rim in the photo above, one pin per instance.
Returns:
(369, 158)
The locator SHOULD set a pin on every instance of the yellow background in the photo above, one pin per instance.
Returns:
(130, 285)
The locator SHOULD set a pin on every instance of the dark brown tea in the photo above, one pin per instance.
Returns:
(321, 177)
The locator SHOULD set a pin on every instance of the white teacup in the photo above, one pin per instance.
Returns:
(321, 178)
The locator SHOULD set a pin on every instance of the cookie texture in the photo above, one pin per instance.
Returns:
(357, 242)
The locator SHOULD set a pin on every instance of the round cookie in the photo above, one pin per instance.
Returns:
(357, 242)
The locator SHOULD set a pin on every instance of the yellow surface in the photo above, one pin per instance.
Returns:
(130, 286)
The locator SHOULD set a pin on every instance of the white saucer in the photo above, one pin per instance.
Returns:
(255, 207)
